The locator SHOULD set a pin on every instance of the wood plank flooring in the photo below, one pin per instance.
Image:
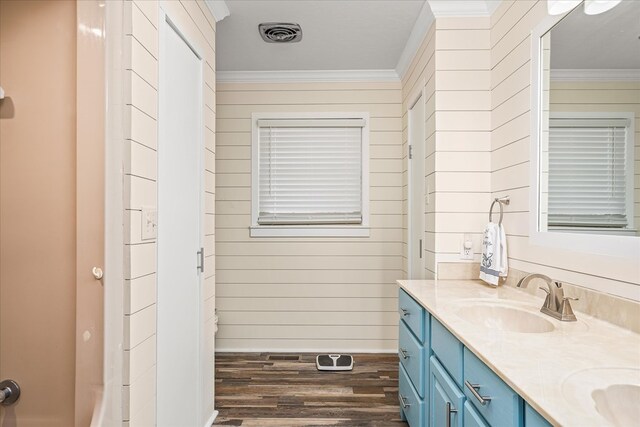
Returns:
(273, 389)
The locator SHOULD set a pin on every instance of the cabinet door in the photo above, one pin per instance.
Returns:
(471, 418)
(446, 399)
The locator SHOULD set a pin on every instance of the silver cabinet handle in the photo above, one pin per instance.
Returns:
(97, 272)
(9, 392)
(473, 388)
(450, 410)
(405, 312)
(404, 353)
(403, 402)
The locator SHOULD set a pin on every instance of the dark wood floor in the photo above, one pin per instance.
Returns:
(273, 389)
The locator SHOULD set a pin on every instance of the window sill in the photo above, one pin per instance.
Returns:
(309, 231)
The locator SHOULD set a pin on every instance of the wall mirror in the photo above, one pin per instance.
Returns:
(587, 125)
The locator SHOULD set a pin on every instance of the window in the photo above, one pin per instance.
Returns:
(591, 171)
(310, 175)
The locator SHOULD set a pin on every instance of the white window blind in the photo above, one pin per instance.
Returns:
(310, 171)
(587, 173)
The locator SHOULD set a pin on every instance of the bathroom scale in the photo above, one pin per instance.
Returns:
(334, 362)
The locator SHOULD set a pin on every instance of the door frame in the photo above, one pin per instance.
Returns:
(415, 96)
(166, 18)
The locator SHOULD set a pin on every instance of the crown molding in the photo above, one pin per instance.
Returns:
(307, 76)
(571, 75)
(218, 8)
(417, 35)
(449, 8)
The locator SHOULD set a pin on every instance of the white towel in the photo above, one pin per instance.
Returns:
(494, 262)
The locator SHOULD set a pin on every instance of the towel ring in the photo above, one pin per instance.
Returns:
(500, 201)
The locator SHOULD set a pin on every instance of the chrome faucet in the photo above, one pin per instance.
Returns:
(555, 304)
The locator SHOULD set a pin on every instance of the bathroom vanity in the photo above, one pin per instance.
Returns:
(472, 355)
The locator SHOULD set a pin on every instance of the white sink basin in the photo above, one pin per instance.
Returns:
(503, 318)
(613, 392)
(619, 403)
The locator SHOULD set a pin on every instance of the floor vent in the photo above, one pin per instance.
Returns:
(289, 357)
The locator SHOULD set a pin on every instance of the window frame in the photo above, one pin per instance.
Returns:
(308, 230)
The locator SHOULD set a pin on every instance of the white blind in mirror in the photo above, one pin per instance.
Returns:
(587, 176)
(310, 175)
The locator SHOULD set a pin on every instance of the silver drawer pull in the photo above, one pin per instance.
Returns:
(404, 353)
(473, 388)
(450, 411)
(403, 402)
(405, 312)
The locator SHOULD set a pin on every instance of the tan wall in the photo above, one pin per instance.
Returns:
(295, 294)
(37, 209)
(453, 66)
(511, 26)
(603, 96)
(141, 53)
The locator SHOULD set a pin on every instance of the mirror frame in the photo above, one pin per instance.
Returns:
(600, 244)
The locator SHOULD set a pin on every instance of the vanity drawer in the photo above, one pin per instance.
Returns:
(410, 403)
(411, 354)
(448, 350)
(471, 417)
(412, 314)
(503, 406)
(533, 418)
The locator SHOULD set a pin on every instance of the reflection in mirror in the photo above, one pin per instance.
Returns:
(590, 123)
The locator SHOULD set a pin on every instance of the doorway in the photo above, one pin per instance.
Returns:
(180, 256)
(416, 171)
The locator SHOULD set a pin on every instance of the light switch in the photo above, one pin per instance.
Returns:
(149, 223)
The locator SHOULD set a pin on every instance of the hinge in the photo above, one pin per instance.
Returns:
(410, 151)
(200, 254)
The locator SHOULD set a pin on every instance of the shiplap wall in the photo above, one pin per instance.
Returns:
(141, 56)
(611, 96)
(313, 294)
(452, 65)
(511, 26)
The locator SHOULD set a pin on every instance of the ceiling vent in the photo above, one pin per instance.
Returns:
(277, 32)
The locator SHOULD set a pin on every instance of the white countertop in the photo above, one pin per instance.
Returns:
(555, 372)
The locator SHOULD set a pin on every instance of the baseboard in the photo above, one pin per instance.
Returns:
(305, 350)
(211, 419)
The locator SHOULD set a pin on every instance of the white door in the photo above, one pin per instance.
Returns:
(417, 190)
(179, 233)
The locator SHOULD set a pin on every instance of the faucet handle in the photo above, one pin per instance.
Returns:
(544, 289)
(566, 312)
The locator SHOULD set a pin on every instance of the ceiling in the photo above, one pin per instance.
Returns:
(337, 34)
(610, 40)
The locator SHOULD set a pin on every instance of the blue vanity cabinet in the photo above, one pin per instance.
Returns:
(413, 352)
(446, 405)
(533, 418)
(440, 379)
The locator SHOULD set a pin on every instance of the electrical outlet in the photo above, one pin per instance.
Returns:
(149, 223)
(466, 251)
